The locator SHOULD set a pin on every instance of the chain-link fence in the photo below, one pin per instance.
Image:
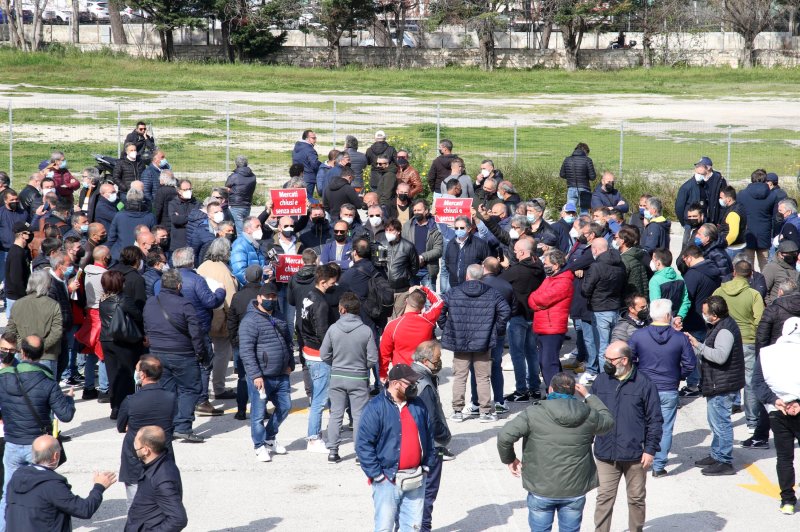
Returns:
(202, 138)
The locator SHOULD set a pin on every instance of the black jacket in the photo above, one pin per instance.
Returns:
(178, 213)
(242, 185)
(705, 193)
(771, 325)
(107, 308)
(299, 286)
(103, 212)
(40, 499)
(580, 259)
(164, 195)
(158, 504)
(30, 198)
(473, 316)
(163, 337)
(440, 170)
(151, 405)
(314, 318)
(578, 170)
(265, 344)
(380, 147)
(337, 194)
(356, 279)
(701, 281)
(18, 270)
(759, 204)
(428, 386)
(316, 234)
(126, 172)
(134, 286)
(525, 277)
(727, 377)
(240, 303)
(604, 282)
(58, 293)
(458, 258)
(402, 264)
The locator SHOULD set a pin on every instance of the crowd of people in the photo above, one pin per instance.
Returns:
(146, 297)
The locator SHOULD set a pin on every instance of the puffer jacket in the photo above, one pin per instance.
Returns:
(121, 233)
(126, 172)
(604, 282)
(265, 344)
(525, 277)
(759, 205)
(195, 289)
(775, 273)
(178, 212)
(472, 318)
(240, 304)
(626, 326)
(243, 254)
(151, 177)
(580, 260)
(578, 170)
(7, 220)
(44, 393)
(701, 281)
(402, 264)
(151, 277)
(637, 273)
(305, 154)
(550, 303)
(715, 252)
(602, 198)
(636, 408)
(557, 440)
(458, 258)
(349, 347)
(770, 327)
(744, 305)
(241, 186)
(663, 354)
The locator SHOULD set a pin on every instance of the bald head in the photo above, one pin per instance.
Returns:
(150, 443)
(46, 451)
(137, 185)
(100, 254)
(371, 198)
(599, 246)
(491, 266)
(618, 353)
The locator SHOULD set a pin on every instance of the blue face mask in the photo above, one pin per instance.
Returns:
(698, 242)
(163, 163)
(461, 233)
(269, 304)
(648, 215)
(641, 211)
(569, 219)
(531, 218)
(69, 272)
(63, 164)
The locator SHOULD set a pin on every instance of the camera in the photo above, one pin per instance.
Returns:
(272, 255)
(380, 255)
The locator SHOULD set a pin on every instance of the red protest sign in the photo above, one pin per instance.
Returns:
(288, 265)
(288, 201)
(448, 209)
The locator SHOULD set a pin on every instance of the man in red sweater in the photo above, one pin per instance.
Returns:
(402, 335)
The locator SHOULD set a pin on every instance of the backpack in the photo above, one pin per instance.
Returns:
(380, 298)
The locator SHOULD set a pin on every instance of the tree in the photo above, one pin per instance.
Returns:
(16, 28)
(167, 15)
(398, 9)
(75, 22)
(659, 18)
(339, 16)
(482, 16)
(247, 32)
(115, 21)
(576, 17)
(748, 18)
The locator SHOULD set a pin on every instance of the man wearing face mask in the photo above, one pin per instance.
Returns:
(637, 217)
(633, 258)
(266, 354)
(79, 226)
(318, 231)
(708, 239)
(95, 236)
(104, 209)
(11, 214)
(400, 208)
(203, 226)
(486, 195)
(563, 227)
(376, 231)
(178, 214)
(629, 448)
(703, 188)
(402, 264)
(339, 248)
(340, 192)
(633, 317)
(385, 180)
(488, 171)
(64, 182)
(18, 265)
(783, 268)
(395, 445)
(465, 249)
(694, 219)
(657, 228)
(127, 170)
(605, 195)
(246, 249)
(284, 242)
(733, 221)
(408, 174)
(422, 231)
(348, 213)
(151, 175)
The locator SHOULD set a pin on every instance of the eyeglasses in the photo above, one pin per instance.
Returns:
(461, 227)
(339, 232)
(8, 351)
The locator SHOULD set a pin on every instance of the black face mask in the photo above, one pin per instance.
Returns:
(402, 197)
(436, 367)
(318, 219)
(582, 239)
(340, 238)
(549, 271)
(642, 315)
(610, 368)
(790, 258)
(411, 391)
(609, 187)
(780, 217)
(163, 244)
(231, 237)
(419, 217)
(695, 223)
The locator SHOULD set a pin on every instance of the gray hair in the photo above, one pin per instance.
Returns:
(171, 279)
(247, 221)
(183, 258)
(134, 194)
(474, 272)
(741, 257)
(296, 182)
(661, 310)
(488, 161)
(710, 231)
(425, 351)
(506, 187)
(351, 142)
(342, 155)
(167, 178)
(38, 283)
(209, 200)
(655, 203)
(787, 287)
(56, 155)
(522, 221)
(224, 225)
(240, 161)
(463, 218)
(789, 204)
(219, 250)
(535, 205)
(47, 455)
(57, 259)
(556, 257)
(93, 172)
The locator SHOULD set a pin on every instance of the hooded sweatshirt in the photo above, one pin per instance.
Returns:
(349, 347)
(744, 305)
(94, 291)
(669, 275)
(664, 354)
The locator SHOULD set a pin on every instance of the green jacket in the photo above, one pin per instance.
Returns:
(41, 316)
(745, 306)
(665, 275)
(557, 440)
(637, 273)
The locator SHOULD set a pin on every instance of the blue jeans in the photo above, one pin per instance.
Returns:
(718, 412)
(182, 376)
(278, 393)
(693, 380)
(524, 355)
(496, 377)
(444, 279)
(239, 214)
(72, 361)
(320, 373)
(426, 280)
(669, 409)
(310, 189)
(603, 323)
(751, 404)
(14, 457)
(51, 365)
(590, 342)
(393, 505)
(3, 255)
(205, 370)
(91, 362)
(285, 310)
(9, 304)
(541, 512)
(733, 252)
(574, 196)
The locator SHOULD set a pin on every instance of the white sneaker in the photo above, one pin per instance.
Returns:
(471, 410)
(262, 454)
(587, 378)
(316, 445)
(275, 447)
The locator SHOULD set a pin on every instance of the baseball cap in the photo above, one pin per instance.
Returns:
(772, 177)
(549, 239)
(19, 227)
(268, 289)
(787, 246)
(570, 207)
(380, 135)
(705, 161)
(403, 371)
(253, 273)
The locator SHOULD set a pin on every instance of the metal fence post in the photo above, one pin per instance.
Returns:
(119, 128)
(438, 124)
(728, 165)
(10, 140)
(334, 125)
(515, 141)
(621, 146)
(227, 137)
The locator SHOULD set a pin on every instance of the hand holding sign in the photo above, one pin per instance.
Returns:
(288, 201)
(448, 209)
(288, 265)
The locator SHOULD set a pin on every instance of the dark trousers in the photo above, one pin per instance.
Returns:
(242, 395)
(205, 370)
(762, 427)
(549, 350)
(63, 358)
(120, 366)
(785, 432)
(182, 376)
(431, 491)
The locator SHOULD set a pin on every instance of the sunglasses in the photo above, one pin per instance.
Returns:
(339, 232)
(461, 227)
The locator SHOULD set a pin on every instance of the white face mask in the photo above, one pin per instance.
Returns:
(391, 237)
(699, 177)
(218, 217)
(186, 194)
(485, 172)
(375, 220)
(348, 219)
(47, 191)
(131, 155)
(165, 268)
(112, 197)
(141, 265)
(653, 266)
(574, 233)
(513, 234)
(258, 234)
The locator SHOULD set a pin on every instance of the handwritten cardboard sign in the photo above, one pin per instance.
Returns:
(288, 201)
(448, 209)
(288, 265)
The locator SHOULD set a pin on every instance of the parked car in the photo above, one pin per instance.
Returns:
(27, 16)
(57, 16)
(129, 15)
(98, 11)
(408, 42)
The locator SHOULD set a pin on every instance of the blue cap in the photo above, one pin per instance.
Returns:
(772, 177)
(570, 207)
(705, 161)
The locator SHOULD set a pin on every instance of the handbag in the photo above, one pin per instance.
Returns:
(123, 328)
(409, 479)
(46, 429)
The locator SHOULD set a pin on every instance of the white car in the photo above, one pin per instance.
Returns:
(133, 15)
(97, 10)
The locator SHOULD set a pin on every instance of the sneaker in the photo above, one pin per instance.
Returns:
(89, 393)
(471, 410)
(275, 447)
(316, 445)
(490, 417)
(227, 394)
(241, 416)
(500, 408)
(72, 381)
(535, 396)
(518, 397)
(787, 509)
(718, 469)
(705, 462)
(188, 437)
(587, 378)
(689, 392)
(207, 409)
(447, 454)
(262, 454)
(104, 397)
(736, 409)
(751, 443)
(333, 457)
(458, 417)
(580, 368)
(659, 473)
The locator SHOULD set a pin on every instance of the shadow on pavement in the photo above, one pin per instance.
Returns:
(705, 520)
(482, 517)
(111, 515)
(255, 526)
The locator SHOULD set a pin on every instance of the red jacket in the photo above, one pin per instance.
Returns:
(402, 335)
(63, 177)
(550, 303)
